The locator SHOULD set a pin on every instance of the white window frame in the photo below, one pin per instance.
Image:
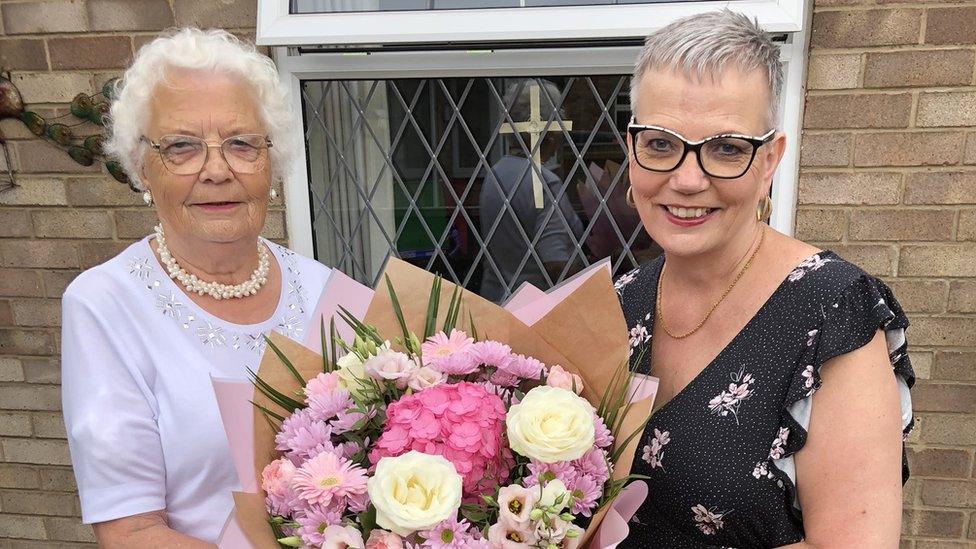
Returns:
(294, 68)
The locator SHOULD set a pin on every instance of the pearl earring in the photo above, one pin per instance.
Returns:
(147, 198)
(273, 194)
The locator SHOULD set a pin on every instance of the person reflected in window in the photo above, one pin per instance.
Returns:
(510, 219)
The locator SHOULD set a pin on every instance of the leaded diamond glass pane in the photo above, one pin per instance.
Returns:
(491, 182)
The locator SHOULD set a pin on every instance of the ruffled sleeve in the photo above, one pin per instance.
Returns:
(850, 321)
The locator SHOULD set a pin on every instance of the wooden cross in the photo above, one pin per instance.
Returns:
(535, 126)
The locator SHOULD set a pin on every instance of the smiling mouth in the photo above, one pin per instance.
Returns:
(688, 213)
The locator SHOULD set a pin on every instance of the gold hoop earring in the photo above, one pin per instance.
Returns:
(765, 209)
(629, 197)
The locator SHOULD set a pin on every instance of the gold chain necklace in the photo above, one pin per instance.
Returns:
(660, 312)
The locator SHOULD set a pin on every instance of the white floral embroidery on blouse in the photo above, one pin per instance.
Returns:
(709, 521)
(775, 452)
(625, 280)
(639, 335)
(654, 452)
(808, 380)
(728, 401)
(808, 265)
(811, 337)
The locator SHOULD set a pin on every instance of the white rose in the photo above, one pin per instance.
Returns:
(414, 492)
(351, 374)
(425, 377)
(550, 425)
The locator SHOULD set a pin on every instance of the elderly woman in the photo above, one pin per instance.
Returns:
(781, 365)
(202, 123)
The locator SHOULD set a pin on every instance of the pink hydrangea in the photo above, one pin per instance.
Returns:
(462, 422)
(449, 354)
(276, 482)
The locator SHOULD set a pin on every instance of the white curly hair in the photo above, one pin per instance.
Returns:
(703, 45)
(195, 49)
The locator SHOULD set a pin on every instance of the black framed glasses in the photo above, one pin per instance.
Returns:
(725, 156)
(187, 154)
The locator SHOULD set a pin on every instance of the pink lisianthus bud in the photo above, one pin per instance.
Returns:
(559, 377)
(342, 537)
(381, 539)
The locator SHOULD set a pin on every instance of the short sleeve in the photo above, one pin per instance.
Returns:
(110, 416)
(850, 321)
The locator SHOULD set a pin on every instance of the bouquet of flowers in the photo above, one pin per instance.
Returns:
(420, 430)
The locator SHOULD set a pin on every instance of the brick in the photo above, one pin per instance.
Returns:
(14, 223)
(25, 527)
(949, 493)
(23, 55)
(45, 157)
(908, 149)
(129, 15)
(877, 260)
(41, 452)
(918, 68)
(951, 26)
(938, 260)
(962, 296)
(52, 87)
(901, 224)
(941, 397)
(33, 191)
(39, 253)
(274, 225)
(14, 425)
(39, 503)
(949, 429)
(940, 188)
(72, 223)
(135, 224)
(970, 157)
(49, 426)
(911, 490)
(954, 366)
(60, 479)
(37, 312)
(26, 342)
(44, 17)
(55, 282)
(69, 529)
(946, 109)
(925, 522)
(101, 191)
(822, 150)
(822, 225)
(920, 296)
(943, 331)
(30, 397)
(940, 462)
(225, 14)
(19, 476)
(6, 315)
(833, 72)
(850, 188)
(20, 283)
(42, 370)
(874, 110)
(921, 362)
(11, 369)
(97, 252)
(842, 29)
(99, 52)
(967, 225)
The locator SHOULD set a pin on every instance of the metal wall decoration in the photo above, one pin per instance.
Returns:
(84, 147)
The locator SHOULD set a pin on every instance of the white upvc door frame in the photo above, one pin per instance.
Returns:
(295, 68)
(277, 27)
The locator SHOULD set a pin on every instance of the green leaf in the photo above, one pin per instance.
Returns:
(285, 402)
(367, 520)
(433, 304)
(471, 327)
(333, 354)
(284, 360)
(268, 413)
(397, 311)
(326, 365)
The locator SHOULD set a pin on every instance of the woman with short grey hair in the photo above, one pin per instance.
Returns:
(202, 124)
(784, 373)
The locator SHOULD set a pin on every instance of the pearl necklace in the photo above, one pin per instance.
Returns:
(215, 290)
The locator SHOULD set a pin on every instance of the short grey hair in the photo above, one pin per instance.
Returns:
(703, 45)
(214, 51)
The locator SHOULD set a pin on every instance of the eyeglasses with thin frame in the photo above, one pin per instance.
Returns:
(187, 154)
(724, 156)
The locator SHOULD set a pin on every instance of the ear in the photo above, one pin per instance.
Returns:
(772, 154)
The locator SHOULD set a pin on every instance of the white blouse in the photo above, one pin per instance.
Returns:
(137, 356)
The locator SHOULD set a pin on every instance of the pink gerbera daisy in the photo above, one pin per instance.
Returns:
(448, 354)
(327, 476)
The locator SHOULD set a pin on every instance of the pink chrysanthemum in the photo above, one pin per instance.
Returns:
(594, 464)
(325, 397)
(524, 367)
(490, 353)
(562, 470)
(302, 436)
(328, 476)
(313, 523)
(602, 437)
(449, 534)
(448, 354)
(462, 422)
(586, 494)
